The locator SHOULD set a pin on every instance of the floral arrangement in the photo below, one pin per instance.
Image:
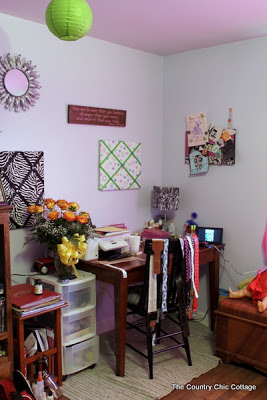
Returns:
(58, 225)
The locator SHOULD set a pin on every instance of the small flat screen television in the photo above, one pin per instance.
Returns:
(210, 235)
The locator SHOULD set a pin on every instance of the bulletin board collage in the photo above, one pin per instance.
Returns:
(208, 145)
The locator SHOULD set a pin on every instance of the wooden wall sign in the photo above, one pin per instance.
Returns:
(96, 116)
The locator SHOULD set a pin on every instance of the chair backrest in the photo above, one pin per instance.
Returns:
(175, 282)
(161, 295)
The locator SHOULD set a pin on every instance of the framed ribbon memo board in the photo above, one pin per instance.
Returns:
(119, 165)
(22, 176)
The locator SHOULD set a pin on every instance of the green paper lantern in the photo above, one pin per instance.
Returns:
(69, 19)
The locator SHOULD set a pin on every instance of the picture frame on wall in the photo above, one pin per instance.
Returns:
(28, 186)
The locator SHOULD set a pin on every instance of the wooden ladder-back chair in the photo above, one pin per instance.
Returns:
(163, 294)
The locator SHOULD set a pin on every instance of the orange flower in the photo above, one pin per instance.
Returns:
(53, 215)
(82, 219)
(73, 206)
(32, 209)
(63, 204)
(50, 203)
(69, 216)
(39, 209)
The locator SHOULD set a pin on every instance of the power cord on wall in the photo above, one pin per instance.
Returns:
(27, 275)
(221, 251)
(200, 319)
(239, 273)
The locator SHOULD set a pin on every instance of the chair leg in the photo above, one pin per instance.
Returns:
(187, 350)
(185, 331)
(149, 350)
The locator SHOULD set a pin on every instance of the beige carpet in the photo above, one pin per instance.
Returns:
(169, 368)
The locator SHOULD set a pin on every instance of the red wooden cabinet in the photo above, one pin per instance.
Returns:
(6, 335)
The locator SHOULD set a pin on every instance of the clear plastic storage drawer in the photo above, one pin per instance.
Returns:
(78, 326)
(80, 356)
(78, 293)
(78, 296)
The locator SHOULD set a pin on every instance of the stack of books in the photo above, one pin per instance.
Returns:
(25, 302)
(38, 339)
(106, 231)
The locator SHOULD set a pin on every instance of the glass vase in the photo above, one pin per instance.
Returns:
(64, 272)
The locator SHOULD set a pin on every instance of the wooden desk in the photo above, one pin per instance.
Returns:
(126, 273)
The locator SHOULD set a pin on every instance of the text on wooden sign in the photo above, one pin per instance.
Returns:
(96, 116)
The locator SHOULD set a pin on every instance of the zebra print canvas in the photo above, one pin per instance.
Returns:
(22, 174)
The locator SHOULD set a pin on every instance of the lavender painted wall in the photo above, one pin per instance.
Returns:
(232, 197)
(88, 72)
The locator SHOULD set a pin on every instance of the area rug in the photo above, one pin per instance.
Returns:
(169, 368)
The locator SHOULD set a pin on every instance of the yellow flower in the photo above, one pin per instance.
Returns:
(73, 206)
(85, 214)
(39, 209)
(50, 203)
(32, 209)
(63, 204)
(53, 215)
(69, 216)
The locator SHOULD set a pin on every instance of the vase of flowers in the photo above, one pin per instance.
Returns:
(64, 272)
(63, 230)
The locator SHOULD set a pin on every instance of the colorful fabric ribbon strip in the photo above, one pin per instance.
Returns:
(70, 251)
(191, 256)
(187, 258)
(164, 276)
(196, 272)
